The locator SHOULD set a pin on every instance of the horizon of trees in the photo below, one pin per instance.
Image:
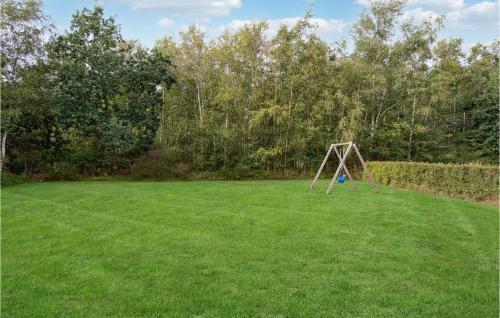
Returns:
(91, 102)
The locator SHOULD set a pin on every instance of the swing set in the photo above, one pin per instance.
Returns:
(342, 168)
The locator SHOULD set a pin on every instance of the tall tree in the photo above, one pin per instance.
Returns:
(24, 29)
(108, 91)
(411, 59)
(446, 99)
(372, 55)
(480, 126)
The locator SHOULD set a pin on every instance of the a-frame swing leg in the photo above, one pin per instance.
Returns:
(340, 166)
(345, 168)
(370, 176)
(322, 166)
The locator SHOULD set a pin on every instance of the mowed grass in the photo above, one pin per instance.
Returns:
(244, 249)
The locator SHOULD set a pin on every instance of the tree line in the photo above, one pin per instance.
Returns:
(90, 101)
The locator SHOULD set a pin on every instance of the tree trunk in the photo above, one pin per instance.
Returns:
(463, 127)
(411, 126)
(226, 126)
(372, 126)
(454, 117)
(288, 129)
(200, 106)
(162, 121)
(2, 151)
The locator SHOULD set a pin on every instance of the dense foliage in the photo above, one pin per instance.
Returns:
(277, 103)
(89, 102)
(24, 98)
(90, 105)
(468, 181)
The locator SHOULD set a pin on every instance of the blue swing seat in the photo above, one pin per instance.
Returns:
(342, 178)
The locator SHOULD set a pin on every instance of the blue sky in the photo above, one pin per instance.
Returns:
(149, 20)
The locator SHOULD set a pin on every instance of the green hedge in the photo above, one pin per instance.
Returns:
(467, 181)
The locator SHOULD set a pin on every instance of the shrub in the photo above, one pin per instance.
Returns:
(467, 181)
(182, 170)
(240, 172)
(9, 178)
(155, 164)
(58, 171)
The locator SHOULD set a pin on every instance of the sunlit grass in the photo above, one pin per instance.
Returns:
(248, 249)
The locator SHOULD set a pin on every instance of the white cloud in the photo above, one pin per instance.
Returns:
(203, 24)
(477, 15)
(203, 21)
(186, 7)
(331, 25)
(165, 22)
(429, 4)
(437, 4)
(458, 14)
(418, 15)
(324, 26)
(364, 3)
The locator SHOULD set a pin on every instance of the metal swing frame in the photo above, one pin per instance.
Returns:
(350, 145)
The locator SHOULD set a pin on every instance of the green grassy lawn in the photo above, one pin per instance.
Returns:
(244, 249)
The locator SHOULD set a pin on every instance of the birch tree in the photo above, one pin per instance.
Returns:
(24, 29)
